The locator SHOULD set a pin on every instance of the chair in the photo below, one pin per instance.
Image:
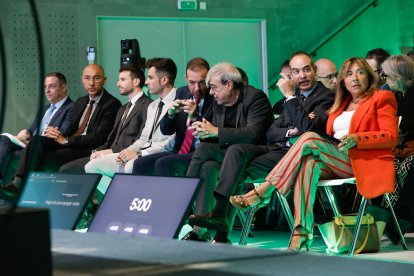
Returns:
(327, 185)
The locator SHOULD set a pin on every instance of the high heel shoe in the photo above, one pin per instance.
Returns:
(300, 238)
(244, 202)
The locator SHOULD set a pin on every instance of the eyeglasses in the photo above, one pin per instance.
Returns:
(330, 76)
(384, 76)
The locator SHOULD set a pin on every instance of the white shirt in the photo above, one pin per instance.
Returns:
(159, 142)
(342, 123)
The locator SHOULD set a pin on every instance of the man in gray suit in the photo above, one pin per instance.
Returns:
(129, 122)
(58, 114)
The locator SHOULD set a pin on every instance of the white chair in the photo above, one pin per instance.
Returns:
(327, 186)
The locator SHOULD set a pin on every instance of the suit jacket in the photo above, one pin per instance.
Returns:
(62, 119)
(132, 127)
(296, 114)
(159, 142)
(376, 126)
(253, 118)
(178, 124)
(405, 110)
(100, 123)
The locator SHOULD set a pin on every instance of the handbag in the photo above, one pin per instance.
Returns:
(337, 234)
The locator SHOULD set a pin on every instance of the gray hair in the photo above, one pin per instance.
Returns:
(226, 71)
(401, 68)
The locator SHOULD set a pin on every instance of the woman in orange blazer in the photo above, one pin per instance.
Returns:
(363, 125)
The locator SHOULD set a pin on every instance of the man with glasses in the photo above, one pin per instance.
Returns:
(94, 117)
(327, 73)
(305, 109)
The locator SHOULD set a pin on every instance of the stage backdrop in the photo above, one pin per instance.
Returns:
(241, 42)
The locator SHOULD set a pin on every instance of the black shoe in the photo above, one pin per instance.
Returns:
(9, 192)
(209, 222)
(193, 236)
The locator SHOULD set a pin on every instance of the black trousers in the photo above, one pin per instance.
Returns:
(46, 154)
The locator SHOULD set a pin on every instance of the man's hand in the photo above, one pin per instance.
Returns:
(286, 85)
(51, 132)
(190, 107)
(99, 153)
(204, 129)
(293, 132)
(23, 136)
(174, 108)
(60, 139)
(312, 115)
(126, 155)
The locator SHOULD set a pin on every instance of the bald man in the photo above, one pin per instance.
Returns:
(327, 73)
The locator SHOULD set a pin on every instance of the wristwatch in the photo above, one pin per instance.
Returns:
(65, 141)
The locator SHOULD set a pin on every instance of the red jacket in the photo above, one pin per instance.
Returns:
(376, 125)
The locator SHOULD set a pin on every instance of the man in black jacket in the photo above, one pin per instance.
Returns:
(305, 109)
(94, 117)
(241, 114)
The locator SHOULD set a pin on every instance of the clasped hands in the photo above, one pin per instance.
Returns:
(126, 155)
(188, 106)
(347, 141)
(204, 129)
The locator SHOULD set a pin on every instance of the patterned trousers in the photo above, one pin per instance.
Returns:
(402, 167)
(312, 157)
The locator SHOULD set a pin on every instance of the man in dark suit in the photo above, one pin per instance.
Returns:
(94, 117)
(305, 109)
(240, 115)
(57, 114)
(129, 122)
(192, 103)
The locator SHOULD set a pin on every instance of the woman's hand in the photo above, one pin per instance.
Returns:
(348, 141)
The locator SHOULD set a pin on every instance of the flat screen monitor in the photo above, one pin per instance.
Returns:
(143, 206)
(66, 195)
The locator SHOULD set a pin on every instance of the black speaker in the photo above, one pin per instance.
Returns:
(131, 54)
(25, 244)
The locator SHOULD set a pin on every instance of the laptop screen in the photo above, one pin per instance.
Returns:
(136, 205)
(66, 195)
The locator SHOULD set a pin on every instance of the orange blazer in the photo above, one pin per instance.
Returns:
(376, 125)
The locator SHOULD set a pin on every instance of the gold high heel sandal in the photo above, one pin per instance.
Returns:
(300, 238)
(240, 202)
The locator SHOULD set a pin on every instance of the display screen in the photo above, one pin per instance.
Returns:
(143, 206)
(65, 195)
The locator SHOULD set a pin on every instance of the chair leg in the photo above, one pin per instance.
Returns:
(246, 220)
(388, 201)
(286, 210)
(332, 201)
(355, 234)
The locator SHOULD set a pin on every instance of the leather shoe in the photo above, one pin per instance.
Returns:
(193, 236)
(227, 241)
(9, 192)
(209, 222)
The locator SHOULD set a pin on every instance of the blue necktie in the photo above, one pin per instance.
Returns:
(46, 118)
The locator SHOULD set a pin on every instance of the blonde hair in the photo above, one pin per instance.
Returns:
(342, 94)
(400, 68)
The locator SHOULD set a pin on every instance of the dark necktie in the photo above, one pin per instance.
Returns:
(123, 119)
(302, 98)
(189, 137)
(85, 119)
(159, 110)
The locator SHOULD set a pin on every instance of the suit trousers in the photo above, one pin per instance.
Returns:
(8, 152)
(75, 166)
(46, 154)
(312, 157)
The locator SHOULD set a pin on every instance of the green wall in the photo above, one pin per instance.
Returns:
(70, 26)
